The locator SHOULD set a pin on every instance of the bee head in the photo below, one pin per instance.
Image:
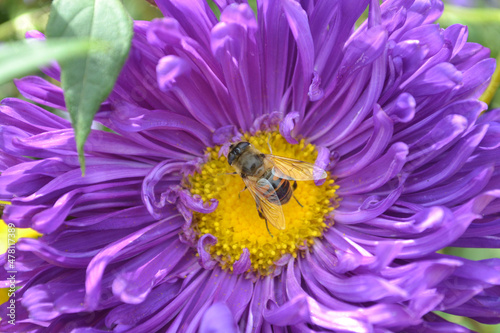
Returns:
(235, 150)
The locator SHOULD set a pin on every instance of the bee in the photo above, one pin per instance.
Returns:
(269, 179)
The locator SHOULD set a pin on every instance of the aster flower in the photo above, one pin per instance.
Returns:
(155, 236)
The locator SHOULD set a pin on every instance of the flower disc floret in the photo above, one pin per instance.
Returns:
(236, 223)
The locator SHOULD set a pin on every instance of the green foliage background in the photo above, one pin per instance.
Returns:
(19, 16)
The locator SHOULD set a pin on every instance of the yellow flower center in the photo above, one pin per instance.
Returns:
(236, 223)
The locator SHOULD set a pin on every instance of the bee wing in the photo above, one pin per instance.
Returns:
(291, 169)
(267, 201)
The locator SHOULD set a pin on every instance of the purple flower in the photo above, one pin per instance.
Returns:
(156, 238)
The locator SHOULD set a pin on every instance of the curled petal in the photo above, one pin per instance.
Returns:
(243, 264)
(194, 202)
(169, 69)
(287, 125)
(267, 122)
(403, 109)
(225, 134)
(315, 92)
(157, 207)
(204, 243)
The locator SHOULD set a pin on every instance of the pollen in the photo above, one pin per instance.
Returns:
(236, 223)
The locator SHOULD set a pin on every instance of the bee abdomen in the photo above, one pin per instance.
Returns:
(282, 189)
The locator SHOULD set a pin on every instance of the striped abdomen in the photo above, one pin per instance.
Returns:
(282, 187)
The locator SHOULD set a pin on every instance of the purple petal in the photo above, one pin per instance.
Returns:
(96, 267)
(133, 119)
(306, 308)
(362, 288)
(195, 17)
(218, 318)
(149, 197)
(196, 203)
(126, 316)
(287, 125)
(266, 122)
(365, 208)
(475, 78)
(243, 263)
(169, 69)
(175, 75)
(134, 285)
(456, 192)
(362, 51)
(457, 35)
(234, 46)
(275, 52)
(204, 243)
(41, 91)
(293, 312)
(331, 26)
(30, 116)
(429, 36)
(444, 168)
(382, 133)
(315, 92)
(470, 55)
(299, 26)
(225, 134)
(323, 161)
(403, 109)
(441, 78)
(377, 174)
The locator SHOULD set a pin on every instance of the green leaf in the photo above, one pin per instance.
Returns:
(87, 81)
(20, 58)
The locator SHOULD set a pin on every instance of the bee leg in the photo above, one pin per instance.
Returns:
(297, 201)
(263, 217)
(228, 173)
(294, 186)
(243, 190)
(267, 226)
